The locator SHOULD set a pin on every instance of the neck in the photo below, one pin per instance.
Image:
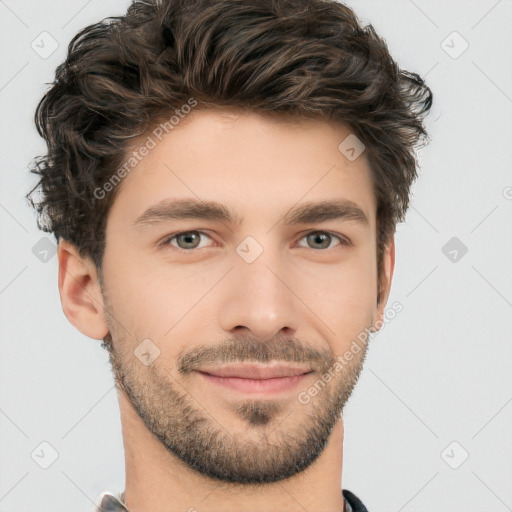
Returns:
(158, 481)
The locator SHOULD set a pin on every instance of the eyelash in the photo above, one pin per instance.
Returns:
(167, 241)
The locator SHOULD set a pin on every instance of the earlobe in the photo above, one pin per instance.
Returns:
(80, 292)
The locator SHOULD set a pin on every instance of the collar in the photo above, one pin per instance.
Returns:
(113, 502)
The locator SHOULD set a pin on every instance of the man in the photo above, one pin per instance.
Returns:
(224, 179)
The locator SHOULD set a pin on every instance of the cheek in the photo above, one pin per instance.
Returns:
(137, 297)
(158, 301)
(343, 296)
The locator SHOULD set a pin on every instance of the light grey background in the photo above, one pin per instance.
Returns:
(440, 372)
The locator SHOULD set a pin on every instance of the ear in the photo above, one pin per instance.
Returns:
(385, 283)
(80, 292)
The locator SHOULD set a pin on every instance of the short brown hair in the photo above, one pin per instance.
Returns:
(299, 58)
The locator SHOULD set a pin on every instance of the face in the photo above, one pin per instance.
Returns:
(240, 266)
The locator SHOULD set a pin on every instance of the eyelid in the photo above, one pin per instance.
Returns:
(166, 241)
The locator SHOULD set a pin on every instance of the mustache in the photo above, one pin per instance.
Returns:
(248, 349)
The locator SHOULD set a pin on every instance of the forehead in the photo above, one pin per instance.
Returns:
(244, 159)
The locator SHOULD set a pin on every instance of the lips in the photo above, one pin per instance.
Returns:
(257, 380)
(255, 371)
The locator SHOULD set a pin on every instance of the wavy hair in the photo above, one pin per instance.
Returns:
(297, 58)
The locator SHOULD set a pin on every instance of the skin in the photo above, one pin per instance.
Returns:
(313, 295)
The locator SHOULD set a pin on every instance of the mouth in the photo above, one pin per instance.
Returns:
(253, 378)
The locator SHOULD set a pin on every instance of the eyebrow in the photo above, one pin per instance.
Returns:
(305, 213)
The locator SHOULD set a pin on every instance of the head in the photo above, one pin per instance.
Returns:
(238, 113)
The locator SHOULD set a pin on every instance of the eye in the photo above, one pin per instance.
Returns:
(189, 240)
(323, 239)
(186, 241)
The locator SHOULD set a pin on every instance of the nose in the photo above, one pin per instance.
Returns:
(258, 297)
